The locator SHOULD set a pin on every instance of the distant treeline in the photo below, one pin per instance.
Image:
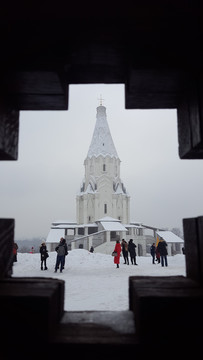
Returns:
(31, 245)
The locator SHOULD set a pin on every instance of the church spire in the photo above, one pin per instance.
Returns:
(102, 142)
(102, 192)
(100, 100)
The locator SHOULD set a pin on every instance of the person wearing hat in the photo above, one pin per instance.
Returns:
(44, 255)
(162, 248)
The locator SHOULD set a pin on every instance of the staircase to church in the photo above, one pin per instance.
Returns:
(85, 242)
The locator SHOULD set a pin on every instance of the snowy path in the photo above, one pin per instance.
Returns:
(92, 281)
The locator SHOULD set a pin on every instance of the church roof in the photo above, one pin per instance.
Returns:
(170, 237)
(113, 226)
(102, 142)
(55, 235)
(108, 218)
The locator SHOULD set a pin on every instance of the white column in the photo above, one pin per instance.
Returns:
(73, 245)
(108, 236)
(89, 242)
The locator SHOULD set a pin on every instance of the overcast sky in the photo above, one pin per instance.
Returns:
(42, 185)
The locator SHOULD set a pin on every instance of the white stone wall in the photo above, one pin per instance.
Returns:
(102, 193)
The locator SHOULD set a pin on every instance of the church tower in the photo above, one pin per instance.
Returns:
(102, 192)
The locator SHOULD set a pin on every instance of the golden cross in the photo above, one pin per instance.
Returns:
(100, 100)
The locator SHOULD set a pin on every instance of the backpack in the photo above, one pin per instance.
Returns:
(61, 250)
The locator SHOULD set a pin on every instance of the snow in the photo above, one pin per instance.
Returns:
(113, 226)
(170, 237)
(59, 222)
(92, 281)
(54, 234)
(108, 218)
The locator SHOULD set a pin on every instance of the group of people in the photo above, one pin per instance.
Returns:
(159, 251)
(125, 248)
(62, 251)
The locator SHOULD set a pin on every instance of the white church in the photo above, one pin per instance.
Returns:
(103, 204)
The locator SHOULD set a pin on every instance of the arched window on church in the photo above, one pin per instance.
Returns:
(104, 167)
(105, 208)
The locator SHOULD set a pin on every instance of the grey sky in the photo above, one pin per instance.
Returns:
(42, 185)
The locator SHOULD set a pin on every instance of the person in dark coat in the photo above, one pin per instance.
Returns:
(124, 246)
(91, 249)
(44, 255)
(131, 249)
(15, 249)
(117, 249)
(162, 248)
(66, 252)
(153, 252)
(62, 251)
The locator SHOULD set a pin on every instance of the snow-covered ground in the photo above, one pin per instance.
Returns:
(92, 281)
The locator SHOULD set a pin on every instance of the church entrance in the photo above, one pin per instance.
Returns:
(114, 236)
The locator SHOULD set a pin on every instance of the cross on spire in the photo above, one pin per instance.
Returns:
(100, 100)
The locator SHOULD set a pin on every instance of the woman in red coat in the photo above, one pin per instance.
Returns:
(118, 250)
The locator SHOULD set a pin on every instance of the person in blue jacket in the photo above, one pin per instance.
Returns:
(153, 252)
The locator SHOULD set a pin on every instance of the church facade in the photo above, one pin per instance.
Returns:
(102, 192)
(103, 204)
